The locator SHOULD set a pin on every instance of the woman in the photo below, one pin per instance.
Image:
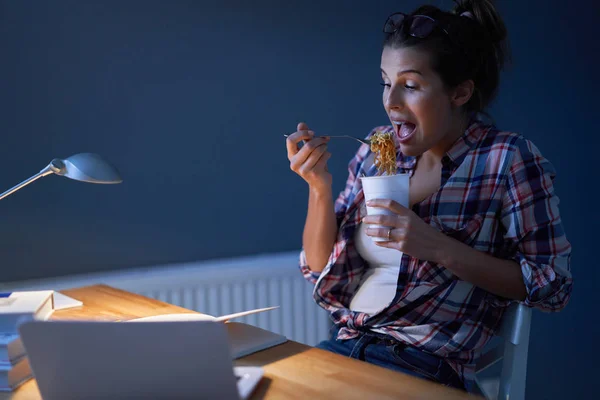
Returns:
(483, 229)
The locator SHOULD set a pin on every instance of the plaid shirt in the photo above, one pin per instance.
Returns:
(497, 197)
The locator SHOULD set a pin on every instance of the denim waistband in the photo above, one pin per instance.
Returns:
(369, 337)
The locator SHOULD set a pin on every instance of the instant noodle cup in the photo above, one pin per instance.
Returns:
(392, 187)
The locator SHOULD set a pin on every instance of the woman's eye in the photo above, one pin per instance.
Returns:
(406, 86)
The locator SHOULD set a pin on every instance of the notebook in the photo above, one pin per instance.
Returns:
(15, 374)
(114, 360)
(18, 307)
(11, 348)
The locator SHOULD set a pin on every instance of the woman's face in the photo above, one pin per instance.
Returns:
(419, 106)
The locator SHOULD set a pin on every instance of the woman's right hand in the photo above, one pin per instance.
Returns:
(310, 161)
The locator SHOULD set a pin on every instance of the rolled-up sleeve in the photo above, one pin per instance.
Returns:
(534, 230)
(308, 274)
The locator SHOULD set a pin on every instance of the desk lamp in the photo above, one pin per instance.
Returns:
(84, 167)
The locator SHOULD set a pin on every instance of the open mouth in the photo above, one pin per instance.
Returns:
(404, 130)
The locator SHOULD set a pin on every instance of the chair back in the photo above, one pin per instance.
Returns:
(514, 330)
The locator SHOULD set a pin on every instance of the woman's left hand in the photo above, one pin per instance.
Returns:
(406, 231)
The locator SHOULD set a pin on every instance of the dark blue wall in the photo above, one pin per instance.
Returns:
(190, 100)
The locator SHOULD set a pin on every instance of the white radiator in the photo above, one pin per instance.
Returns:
(219, 287)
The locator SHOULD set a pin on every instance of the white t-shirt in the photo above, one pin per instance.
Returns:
(379, 283)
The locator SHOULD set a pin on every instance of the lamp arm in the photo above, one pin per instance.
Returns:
(50, 169)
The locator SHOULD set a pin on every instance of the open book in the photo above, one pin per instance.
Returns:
(200, 317)
(244, 339)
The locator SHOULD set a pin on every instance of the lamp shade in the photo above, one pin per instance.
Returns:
(87, 167)
(84, 167)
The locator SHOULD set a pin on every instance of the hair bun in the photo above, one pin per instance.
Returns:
(484, 13)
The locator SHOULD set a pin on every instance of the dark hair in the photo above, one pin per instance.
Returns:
(474, 48)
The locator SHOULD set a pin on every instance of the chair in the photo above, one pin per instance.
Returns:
(514, 330)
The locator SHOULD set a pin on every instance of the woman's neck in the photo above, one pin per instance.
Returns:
(457, 128)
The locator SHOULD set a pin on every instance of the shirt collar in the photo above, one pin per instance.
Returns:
(458, 151)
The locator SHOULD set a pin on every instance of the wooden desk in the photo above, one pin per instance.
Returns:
(292, 370)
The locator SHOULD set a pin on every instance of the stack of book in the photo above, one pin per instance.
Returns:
(16, 308)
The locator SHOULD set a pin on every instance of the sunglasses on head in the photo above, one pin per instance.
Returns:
(419, 26)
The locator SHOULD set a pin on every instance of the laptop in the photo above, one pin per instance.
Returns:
(145, 360)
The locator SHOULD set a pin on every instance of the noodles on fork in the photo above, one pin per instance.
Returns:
(384, 148)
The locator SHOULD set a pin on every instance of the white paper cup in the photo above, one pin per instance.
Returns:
(389, 187)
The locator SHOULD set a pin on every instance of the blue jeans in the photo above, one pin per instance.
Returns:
(388, 353)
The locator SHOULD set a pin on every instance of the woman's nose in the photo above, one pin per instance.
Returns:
(395, 98)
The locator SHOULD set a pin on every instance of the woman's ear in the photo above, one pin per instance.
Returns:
(462, 93)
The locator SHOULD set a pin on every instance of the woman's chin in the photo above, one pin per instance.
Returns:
(410, 151)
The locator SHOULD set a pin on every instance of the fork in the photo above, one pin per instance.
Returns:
(363, 141)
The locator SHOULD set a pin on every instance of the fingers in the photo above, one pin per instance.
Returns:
(316, 161)
(387, 220)
(309, 155)
(292, 141)
(312, 145)
(322, 163)
(302, 127)
(391, 205)
(388, 233)
(310, 161)
(390, 245)
(381, 226)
